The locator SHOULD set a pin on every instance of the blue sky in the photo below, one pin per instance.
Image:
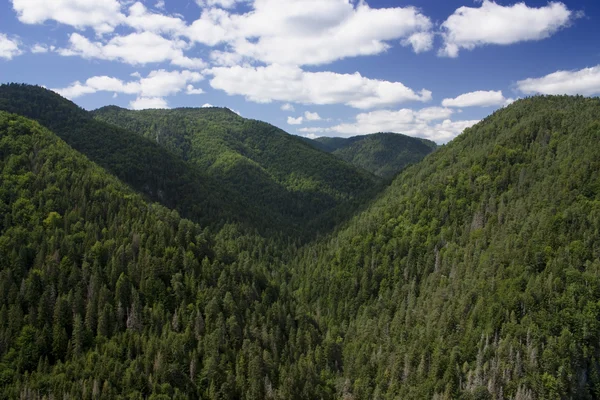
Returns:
(427, 68)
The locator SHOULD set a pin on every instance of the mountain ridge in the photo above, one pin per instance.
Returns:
(383, 154)
(473, 275)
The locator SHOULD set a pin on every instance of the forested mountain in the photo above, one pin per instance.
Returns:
(106, 296)
(252, 158)
(383, 154)
(474, 275)
(145, 166)
(211, 165)
(477, 273)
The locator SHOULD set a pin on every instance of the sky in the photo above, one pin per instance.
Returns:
(425, 68)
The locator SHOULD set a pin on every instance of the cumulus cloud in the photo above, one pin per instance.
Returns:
(218, 3)
(492, 23)
(294, 121)
(420, 41)
(292, 84)
(479, 98)
(311, 32)
(192, 90)
(9, 48)
(291, 32)
(141, 19)
(287, 107)
(42, 48)
(143, 103)
(150, 90)
(101, 15)
(311, 131)
(585, 82)
(207, 105)
(431, 123)
(312, 116)
(135, 49)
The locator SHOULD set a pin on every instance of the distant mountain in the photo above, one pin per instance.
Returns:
(210, 164)
(383, 154)
(255, 159)
(148, 168)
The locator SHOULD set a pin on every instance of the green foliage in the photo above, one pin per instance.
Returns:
(383, 154)
(106, 296)
(302, 187)
(474, 275)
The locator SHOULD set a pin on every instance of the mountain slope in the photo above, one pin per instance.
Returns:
(254, 158)
(142, 164)
(476, 274)
(383, 154)
(106, 296)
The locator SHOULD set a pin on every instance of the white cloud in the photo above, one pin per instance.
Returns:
(101, 15)
(166, 83)
(42, 48)
(430, 123)
(492, 23)
(434, 113)
(420, 41)
(311, 131)
(192, 90)
(150, 90)
(287, 107)
(9, 48)
(310, 116)
(141, 19)
(291, 84)
(160, 4)
(311, 32)
(143, 103)
(294, 121)
(585, 82)
(479, 98)
(310, 135)
(225, 59)
(218, 3)
(207, 105)
(135, 49)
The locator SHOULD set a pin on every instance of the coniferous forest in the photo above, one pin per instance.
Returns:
(193, 253)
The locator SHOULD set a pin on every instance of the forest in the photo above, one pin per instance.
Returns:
(193, 253)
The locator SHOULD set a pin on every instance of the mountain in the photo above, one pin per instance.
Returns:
(210, 165)
(145, 166)
(107, 296)
(383, 154)
(253, 158)
(476, 273)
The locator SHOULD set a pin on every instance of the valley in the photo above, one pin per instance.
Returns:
(193, 253)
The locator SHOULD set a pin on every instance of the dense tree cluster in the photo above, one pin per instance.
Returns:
(383, 154)
(477, 273)
(104, 295)
(256, 161)
(474, 275)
